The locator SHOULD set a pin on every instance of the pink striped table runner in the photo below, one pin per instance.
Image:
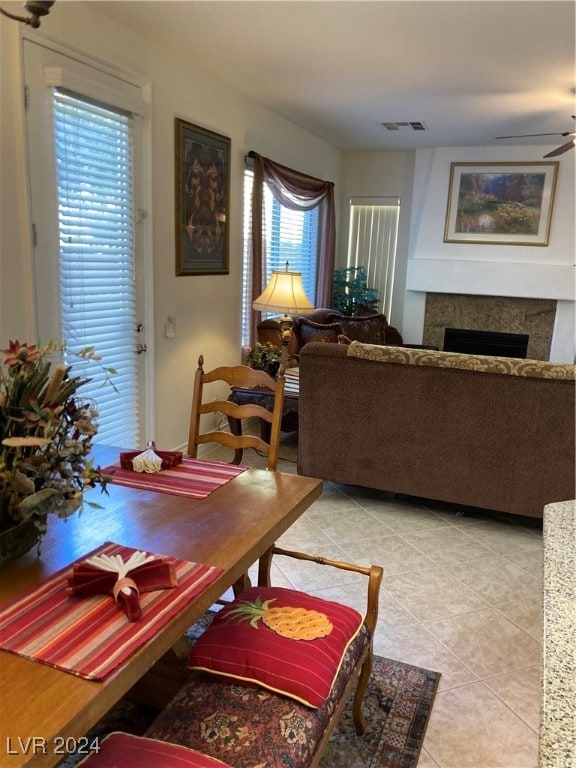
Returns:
(192, 478)
(90, 636)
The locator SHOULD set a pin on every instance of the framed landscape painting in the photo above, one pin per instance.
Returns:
(504, 203)
(202, 200)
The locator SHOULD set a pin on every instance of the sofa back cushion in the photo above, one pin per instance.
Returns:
(308, 331)
(369, 329)
(510, 366)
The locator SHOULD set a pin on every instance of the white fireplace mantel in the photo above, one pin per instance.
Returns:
(492, 278)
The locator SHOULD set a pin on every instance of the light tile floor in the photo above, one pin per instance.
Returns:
(460, 595)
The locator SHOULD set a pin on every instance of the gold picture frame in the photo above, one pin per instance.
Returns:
(500, 203)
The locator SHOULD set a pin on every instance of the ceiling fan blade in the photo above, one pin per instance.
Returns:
(562, 149)
(529, 135)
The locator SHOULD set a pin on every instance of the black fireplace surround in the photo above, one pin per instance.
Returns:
(485, 342)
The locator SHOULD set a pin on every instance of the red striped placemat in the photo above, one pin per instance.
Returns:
(192, 478)
(90, 636)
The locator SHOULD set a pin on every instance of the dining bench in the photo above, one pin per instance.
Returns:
(227, 714)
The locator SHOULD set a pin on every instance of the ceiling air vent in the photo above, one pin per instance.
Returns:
(396, 126)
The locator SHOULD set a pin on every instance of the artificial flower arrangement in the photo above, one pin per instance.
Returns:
(46, 434)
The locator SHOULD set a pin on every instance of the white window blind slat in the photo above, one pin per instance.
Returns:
(97, 252)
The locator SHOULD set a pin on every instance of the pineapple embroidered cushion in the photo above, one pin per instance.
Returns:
(128, 751)
(280, 639)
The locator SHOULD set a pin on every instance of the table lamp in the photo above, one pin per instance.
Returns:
(284, 293)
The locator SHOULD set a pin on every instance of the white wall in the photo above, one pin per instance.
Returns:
(380, 174)
(206, 309)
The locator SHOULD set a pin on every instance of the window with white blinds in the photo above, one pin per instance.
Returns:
(94, 164)
(372, 243)
(290, 236)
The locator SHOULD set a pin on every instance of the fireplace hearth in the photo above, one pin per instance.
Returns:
(485, 342)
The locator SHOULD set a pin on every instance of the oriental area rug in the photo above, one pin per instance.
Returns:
(397, 706)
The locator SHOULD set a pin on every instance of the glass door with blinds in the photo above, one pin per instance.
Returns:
(84, 152)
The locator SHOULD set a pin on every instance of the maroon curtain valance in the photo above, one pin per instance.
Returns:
(291, 188)
(296, 191)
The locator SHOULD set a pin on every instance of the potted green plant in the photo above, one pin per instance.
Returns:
(351, 292)
(46, 434)
(264, 357)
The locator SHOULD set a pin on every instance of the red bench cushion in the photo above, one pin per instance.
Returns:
(252, 648)
(123, 750)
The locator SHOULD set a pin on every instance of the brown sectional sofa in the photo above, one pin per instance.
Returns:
(487, 432)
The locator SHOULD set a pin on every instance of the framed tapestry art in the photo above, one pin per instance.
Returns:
(503, 203)
(202, 200)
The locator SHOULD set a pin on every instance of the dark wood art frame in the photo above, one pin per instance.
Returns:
(202, 200)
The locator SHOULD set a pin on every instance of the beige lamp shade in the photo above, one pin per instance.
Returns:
(284, 293)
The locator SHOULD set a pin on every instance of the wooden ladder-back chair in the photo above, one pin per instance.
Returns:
(374, 575)
(248, 378)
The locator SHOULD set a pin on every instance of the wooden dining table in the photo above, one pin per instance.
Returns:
(44, 710)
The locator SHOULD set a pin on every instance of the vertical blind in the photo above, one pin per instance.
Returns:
(372, 243)
(94, 156)
(290, 236)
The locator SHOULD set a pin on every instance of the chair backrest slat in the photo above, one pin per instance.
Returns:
(240, 376)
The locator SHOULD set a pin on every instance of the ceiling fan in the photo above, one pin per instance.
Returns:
(559, 150)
